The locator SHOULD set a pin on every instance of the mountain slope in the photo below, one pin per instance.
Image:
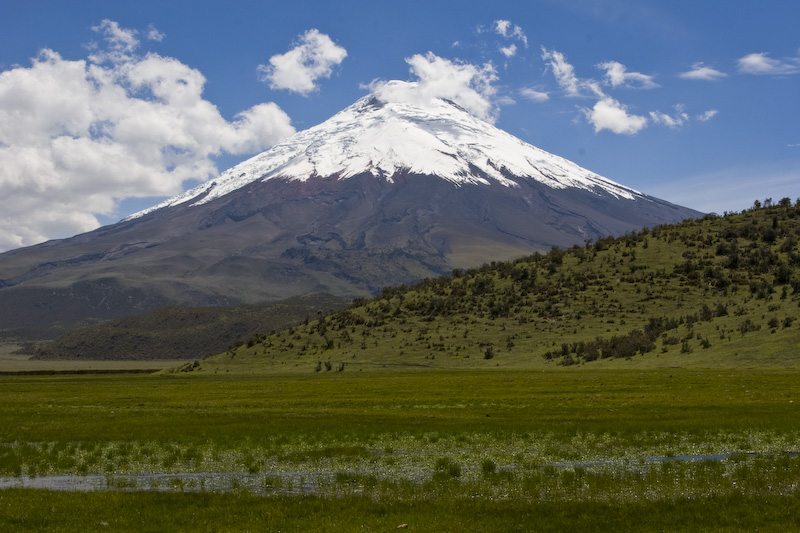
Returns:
(181, 332)
(719, 292)
(383, 193)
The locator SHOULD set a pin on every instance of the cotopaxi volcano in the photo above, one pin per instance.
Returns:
(388, 191)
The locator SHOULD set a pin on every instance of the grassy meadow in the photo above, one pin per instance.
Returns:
(473, 449)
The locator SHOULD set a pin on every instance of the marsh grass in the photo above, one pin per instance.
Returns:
(98, 425)
(413, 447)
(151, 512)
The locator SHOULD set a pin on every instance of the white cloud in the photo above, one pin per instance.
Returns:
(563, 72)
(77, 137)
(701, 72)
(760, 64)
(675, 121)
(468, 85)
(708, 115)
(509, 51)
(609, 114)
(154, 35)
(565, 76)
(510, 31)
(617, 75)
(116, 37)
(120, 42)
(312, 58)
(534, 95)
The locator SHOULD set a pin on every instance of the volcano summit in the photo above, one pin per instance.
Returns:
(388, 191)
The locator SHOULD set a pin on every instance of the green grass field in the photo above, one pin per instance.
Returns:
(363, 451)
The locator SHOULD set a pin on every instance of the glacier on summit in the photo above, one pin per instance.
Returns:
(382, 135)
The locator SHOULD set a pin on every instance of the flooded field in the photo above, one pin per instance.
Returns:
(477, 448)
(328, 482)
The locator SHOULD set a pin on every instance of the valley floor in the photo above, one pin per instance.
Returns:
(12, 363)
(645, 450)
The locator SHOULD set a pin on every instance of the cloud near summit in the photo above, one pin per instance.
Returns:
(313, 57)
(468, 85)
(113, 126)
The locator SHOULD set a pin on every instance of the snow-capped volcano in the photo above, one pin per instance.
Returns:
(382, 138)
(388, 191)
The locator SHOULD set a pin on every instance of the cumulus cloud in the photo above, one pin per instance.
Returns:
(154, 35)
(313, 57)
(117, 38)
(534, 95)
(680, 117)
(505, 100)
(609, 114)
(468, 85)
(563, 72)
(120, 43)
(702, 72)
(761, 64)
(708, 115)
(77, 137)
(565, 76)
(617, 75)
(509, 51)
(674, 121)
(510, 31)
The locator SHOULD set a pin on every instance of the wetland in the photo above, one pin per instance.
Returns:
(362, 451)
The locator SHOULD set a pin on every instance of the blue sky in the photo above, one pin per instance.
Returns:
(107, 107)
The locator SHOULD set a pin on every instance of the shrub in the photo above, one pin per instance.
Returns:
(448, 468)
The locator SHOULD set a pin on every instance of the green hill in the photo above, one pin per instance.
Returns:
(720, 291)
